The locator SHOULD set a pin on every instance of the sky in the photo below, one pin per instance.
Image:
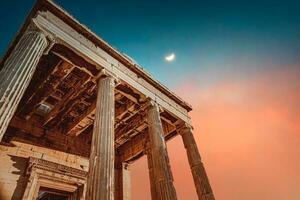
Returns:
(237, 63)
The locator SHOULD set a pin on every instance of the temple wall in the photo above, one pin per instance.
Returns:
(13, 163)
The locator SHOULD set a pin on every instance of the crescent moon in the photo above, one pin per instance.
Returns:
(170, 57)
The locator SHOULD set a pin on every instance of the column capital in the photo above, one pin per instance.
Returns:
(121, 165)
(51, 39)
(51, 42)
(33, 27)
(126, 165)
(184, 128)
(105, 74)
(153, 104)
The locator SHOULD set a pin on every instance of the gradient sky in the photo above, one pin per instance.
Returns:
(237, 63)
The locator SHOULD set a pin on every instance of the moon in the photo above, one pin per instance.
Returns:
(170, 57)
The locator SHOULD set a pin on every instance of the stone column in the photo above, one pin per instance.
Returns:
(17, 71)
(100, 183)
(151, 173)
(158, 157)
(202, 185)
(122, 182)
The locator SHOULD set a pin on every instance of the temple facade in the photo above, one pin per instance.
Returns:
(75, 114)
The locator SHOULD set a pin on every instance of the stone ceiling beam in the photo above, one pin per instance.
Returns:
(144, 84)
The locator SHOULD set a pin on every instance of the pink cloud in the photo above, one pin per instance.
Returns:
(248, 132)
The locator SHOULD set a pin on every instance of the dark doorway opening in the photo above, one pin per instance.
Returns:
(52, 194)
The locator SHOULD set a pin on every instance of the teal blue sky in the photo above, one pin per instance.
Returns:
(215, 39)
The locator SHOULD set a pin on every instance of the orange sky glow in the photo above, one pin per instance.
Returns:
(248, 133)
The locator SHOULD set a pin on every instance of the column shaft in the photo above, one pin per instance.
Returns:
(100, 183)
(202, 185)
(163, 178)
(17, 72)
(151, 174)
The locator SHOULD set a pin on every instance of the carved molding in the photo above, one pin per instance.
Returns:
(36, 163)
(43, 173)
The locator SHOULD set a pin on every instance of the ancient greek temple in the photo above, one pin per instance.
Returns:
(75, 113)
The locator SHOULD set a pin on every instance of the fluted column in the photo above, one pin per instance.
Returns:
(122, 182)
(158, 157)
(100, 183)
(17, 72)
(151, 173)
(201, 182)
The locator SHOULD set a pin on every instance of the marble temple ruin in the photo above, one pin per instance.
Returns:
(75, 114)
